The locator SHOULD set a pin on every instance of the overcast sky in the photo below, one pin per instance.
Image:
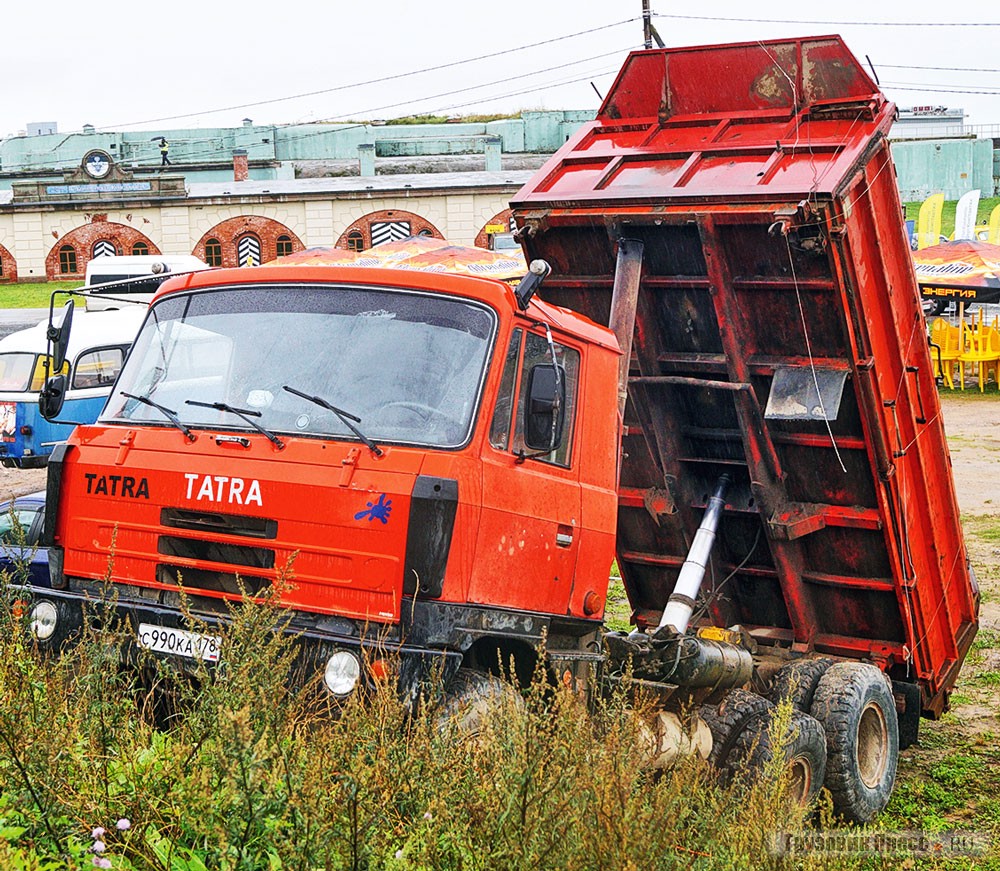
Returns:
(180, 63)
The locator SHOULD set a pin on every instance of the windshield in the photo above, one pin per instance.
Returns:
(407, 367)
(16, 371)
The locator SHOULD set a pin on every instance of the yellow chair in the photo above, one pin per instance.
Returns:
(950, 340)
(982, 352)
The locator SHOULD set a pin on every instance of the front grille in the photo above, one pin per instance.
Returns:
(216, 552)
(225, 524)
(205, 579)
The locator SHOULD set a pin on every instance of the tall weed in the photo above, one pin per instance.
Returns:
(245, 773)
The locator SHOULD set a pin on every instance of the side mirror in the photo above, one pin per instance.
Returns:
(59, 337)
(52, 396)
(545, 408)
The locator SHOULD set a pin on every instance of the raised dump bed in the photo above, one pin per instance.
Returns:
(779, 338)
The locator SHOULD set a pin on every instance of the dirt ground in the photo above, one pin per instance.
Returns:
(972, 424)
(17, 482)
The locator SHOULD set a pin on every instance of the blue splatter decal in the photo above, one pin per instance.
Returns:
(379, 510)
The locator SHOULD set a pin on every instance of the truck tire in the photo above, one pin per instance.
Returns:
(727, 719)
(854, 703)
(797, 682)
(471, 699)
(802, 747)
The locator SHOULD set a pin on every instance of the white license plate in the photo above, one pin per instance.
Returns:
(178, 642)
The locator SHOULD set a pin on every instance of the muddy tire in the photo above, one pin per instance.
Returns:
(802, 749)
(471, 699)
(797, 682)
(727, 720)
(854, 703)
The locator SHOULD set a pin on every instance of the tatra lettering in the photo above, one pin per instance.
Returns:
(119, 486)
(222, 488)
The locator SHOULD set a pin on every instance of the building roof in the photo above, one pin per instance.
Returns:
(354, 185)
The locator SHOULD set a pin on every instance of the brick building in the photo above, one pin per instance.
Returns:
(51, 231)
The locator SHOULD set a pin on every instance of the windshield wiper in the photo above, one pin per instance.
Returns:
(345, 417)
(245, 413)
(169, 414)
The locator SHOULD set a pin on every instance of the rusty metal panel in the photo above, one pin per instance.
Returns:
(759, 181)
(755, 119)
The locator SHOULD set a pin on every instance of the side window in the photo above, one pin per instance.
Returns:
(98, 368)
(15, 525)
(500, 427)
(40, 373)
(537, 352)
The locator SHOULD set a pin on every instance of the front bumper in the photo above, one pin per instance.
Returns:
(116, 613)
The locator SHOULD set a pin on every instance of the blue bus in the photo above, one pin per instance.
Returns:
(97, 349)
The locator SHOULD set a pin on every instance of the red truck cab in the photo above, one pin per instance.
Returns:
(364, 434)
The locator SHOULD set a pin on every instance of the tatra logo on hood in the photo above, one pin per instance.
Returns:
(122, 486)
(220, 488)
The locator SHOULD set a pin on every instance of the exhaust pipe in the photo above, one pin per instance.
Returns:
(681, 603)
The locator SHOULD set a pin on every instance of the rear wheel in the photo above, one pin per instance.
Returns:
(797, 682)
(854, 702)
(800, 752)
(727, 720)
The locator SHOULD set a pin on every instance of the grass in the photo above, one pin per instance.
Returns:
(951, 779)
(32, 294)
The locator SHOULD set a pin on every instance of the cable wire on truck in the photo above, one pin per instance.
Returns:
(455, 461)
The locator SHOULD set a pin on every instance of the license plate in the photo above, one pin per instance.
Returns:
(178, 642)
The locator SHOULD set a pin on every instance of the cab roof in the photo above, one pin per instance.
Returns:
(497, 294)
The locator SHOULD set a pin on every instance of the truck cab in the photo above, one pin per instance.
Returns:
(388, 445)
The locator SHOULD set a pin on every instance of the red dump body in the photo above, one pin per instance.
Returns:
(779, 337)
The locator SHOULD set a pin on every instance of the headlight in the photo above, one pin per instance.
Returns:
(43, 617)
(342, 673)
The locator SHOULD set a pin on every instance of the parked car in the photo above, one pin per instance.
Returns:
(20, 532)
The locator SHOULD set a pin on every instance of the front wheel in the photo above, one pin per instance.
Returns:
(471, 699)
(854, 702)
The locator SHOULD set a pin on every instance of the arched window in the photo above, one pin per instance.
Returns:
(140, 249)
(213, 252)
(425, 232)
(67, 260)
(284, 245)
(355, 241)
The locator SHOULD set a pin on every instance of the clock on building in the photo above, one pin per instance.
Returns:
(97, 163)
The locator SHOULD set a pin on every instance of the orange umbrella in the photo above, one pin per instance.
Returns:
(422, 253)
(966, 270)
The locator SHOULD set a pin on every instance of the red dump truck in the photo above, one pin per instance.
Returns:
(716, 371)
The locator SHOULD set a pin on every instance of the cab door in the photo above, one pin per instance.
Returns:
(529, 534)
